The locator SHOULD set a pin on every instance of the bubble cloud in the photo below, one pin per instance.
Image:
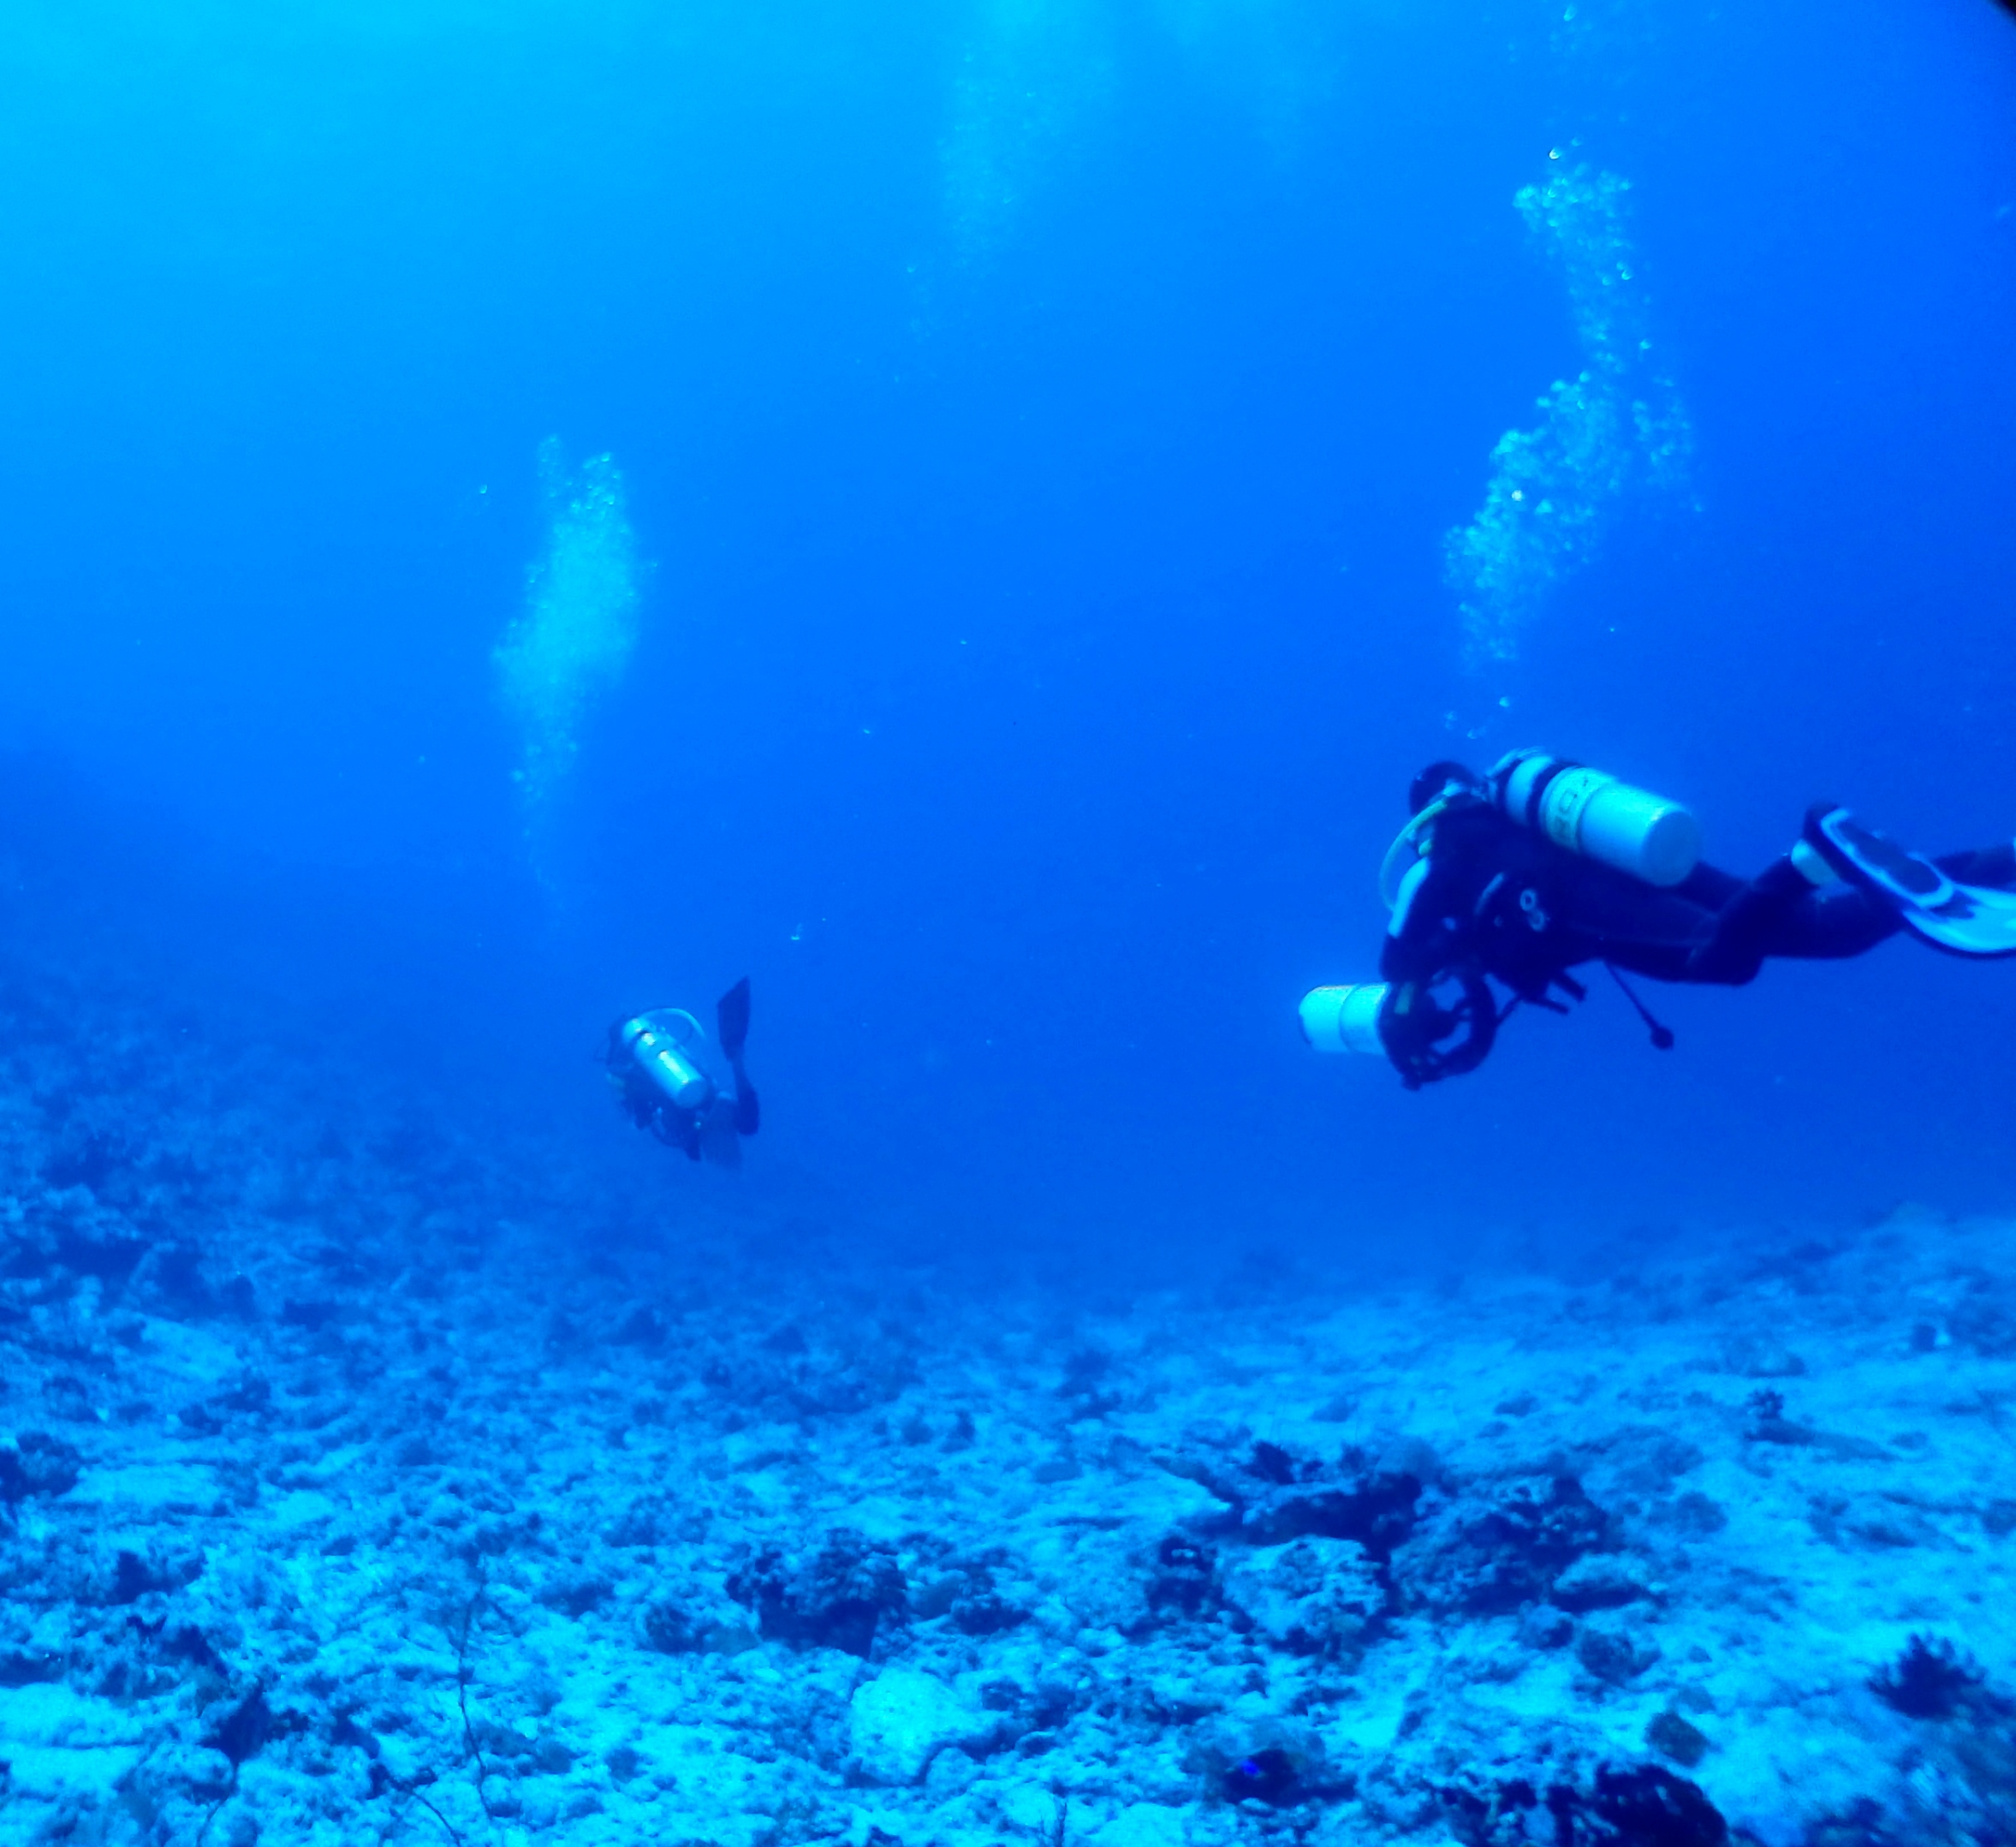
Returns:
(579, 623)
(1616, 432)
(1034, 76)
(1030, 73)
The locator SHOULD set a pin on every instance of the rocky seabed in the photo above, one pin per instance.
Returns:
(356, 1491)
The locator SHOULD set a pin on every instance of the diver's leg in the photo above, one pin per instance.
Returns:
(1794, 908)
(1831, 924)
(1755, 913)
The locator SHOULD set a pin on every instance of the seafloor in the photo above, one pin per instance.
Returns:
(362, 1485)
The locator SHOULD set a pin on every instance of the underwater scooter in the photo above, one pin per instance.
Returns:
(1584, 811)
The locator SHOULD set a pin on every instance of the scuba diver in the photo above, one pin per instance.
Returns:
(1541, 865)
(659, 1062)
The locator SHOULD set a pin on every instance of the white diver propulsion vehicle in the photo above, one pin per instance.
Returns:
(1590, 812)
(1344, 1019)
(666, 1044)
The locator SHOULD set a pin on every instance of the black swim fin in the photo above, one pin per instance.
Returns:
(731, 1018)
(1975, 921)
(718, 1141)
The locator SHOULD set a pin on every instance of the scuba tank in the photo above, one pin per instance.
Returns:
(1594, 814)
(665, 1043)
(1344, 1019)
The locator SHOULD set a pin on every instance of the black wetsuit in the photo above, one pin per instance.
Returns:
(1505, 899)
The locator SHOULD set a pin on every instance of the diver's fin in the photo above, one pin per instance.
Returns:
(1976, 920)
(731, 1018)
(717, 1139)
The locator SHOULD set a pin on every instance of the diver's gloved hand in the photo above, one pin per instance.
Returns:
(1439, 1027)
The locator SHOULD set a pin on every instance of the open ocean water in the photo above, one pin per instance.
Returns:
(970, 513)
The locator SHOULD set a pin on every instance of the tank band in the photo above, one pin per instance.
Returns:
(1536, 795)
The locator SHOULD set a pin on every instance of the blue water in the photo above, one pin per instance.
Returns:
(1039, 429)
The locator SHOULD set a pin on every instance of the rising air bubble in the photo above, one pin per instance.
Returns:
(1615, 433)
(579, 626)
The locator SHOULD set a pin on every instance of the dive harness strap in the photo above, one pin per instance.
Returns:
(1972, 920)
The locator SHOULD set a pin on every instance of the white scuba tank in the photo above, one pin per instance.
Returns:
(663, 1043)
(1594, 814)
(1344, 1019)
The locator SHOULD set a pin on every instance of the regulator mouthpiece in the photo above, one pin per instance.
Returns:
(663, 1043)
(1344, 1019)
(1594, 814)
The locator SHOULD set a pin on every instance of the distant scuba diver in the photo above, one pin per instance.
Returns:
(1541, 865)
(659, 1062)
